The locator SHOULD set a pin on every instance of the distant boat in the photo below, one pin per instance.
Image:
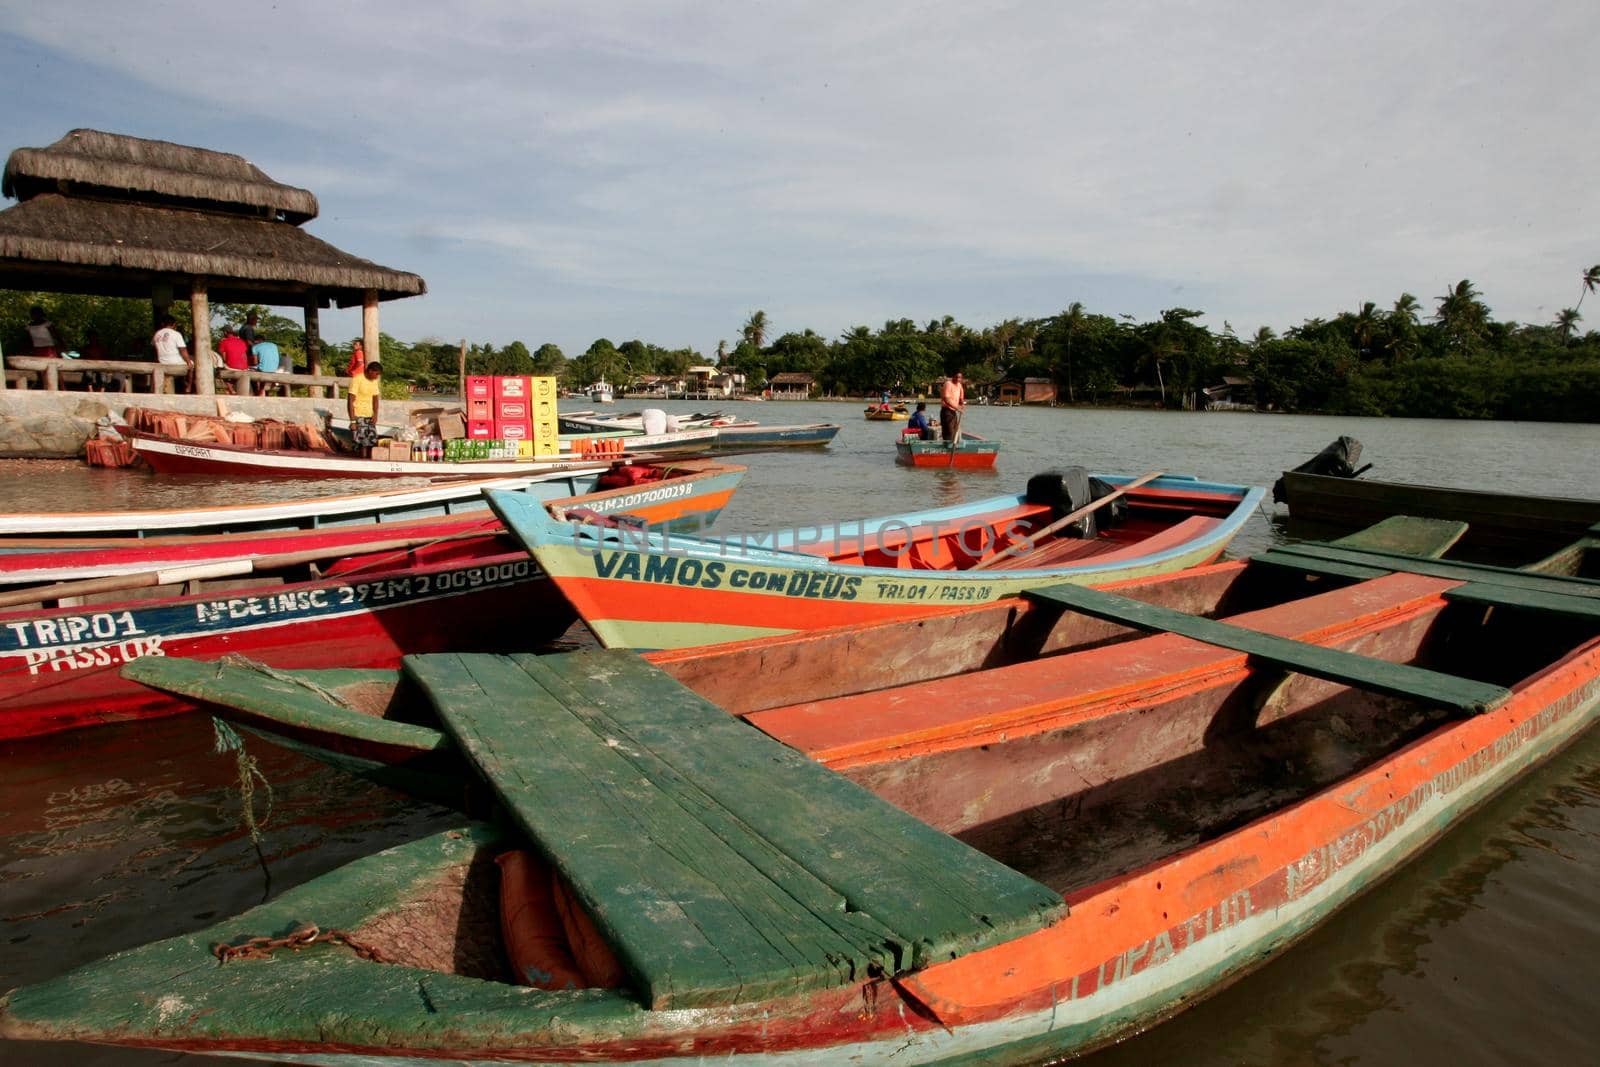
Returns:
(970, 453)
(600, 393)
(887, 413)
(751, 437)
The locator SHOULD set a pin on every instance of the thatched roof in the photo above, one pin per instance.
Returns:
(123, 216)
(793, 377)
(120, 249)
(88, 163)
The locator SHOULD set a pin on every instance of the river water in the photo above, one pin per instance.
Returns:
(1480, 952)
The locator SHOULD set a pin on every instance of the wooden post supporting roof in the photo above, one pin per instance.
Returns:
(369, 325)
(204, 374)
(313, 343)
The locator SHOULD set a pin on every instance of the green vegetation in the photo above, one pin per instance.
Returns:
(1455, 362)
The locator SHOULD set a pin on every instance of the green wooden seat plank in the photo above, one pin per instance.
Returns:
(678, 841)
(1322, 567)
(897, 863)
(1466, 572)
(1395, 679)
(1408, 535)
(1529, 600)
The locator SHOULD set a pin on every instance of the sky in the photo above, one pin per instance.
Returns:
(569, 171)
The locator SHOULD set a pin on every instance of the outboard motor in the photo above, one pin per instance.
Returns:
(1338, 460)
(1069, 489)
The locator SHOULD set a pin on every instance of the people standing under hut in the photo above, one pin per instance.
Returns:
(42, 334)
(952, 403)
(358, 358)
(265, 357)
(234, 352)
(363, 402)
(173, 351)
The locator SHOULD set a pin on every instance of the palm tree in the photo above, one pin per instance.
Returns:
(1567, 323)
(722, 351)
(1591, 280)
(1407, 308)
(755, 329)
(1364, 328)
(1072, 321)
(1461, 315)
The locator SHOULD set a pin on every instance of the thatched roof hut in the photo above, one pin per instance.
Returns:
(110, 215)
(117, 216)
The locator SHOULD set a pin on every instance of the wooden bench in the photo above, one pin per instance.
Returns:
(721, 866)
(1395, 679)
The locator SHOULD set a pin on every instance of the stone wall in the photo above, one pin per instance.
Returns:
(45, 425)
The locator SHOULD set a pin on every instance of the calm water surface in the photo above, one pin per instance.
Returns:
(1480, 952)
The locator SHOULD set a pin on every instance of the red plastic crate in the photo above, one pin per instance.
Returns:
(480, 387)
(480, 429)
(516, 410)
(514, 387)
(513, 429)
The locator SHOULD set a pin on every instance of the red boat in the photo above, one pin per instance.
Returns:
(470, 587)
(685, 493)
(969, 453)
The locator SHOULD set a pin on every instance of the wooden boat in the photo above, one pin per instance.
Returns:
(685, 493)
(887, 413)
(969, 453)
(753, 437)
(170, 456)
(588, 422)
(460, 584)
(1500, 526)
(1013, 864)
(389, 505)
(645, 590)
(378, 725)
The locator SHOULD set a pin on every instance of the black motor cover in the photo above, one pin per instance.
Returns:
(1069, 489)
(1338, 460)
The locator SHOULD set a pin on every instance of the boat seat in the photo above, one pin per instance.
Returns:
(1053, 691)
(721, 866)
(1347, 562)
(1576, 607)
(1396, 679)
(1059, 550)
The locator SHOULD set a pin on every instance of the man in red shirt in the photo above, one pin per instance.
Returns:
(234, 352)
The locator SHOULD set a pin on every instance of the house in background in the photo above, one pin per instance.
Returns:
(709, 383)
(1234, 394)
(1027, 391)
(791, 385)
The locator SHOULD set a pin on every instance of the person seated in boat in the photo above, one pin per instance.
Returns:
(362, 402)
(920, 422)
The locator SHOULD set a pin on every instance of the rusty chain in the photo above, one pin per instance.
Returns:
(262, 948)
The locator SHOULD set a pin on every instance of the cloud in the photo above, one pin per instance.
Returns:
(1274, 163)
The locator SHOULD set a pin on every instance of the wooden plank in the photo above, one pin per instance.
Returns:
(674, 836)
(1407, 535)
(1466, 572)
(1395, 679)
(1325, 568)
(924, 884)
(1576, 607)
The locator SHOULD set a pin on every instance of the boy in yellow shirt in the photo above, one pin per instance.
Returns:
(362, 401)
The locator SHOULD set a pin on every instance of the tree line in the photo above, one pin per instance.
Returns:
(1453, 360)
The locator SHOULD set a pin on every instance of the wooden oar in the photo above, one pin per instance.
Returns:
(220, 569)
(1032, 541)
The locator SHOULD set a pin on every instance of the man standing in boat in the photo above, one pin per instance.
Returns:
(363, 401)
(952, 403)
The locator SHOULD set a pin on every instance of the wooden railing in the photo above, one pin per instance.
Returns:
(51, 369)
(161, 375)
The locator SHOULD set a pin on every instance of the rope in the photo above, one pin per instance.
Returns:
(234, 659)
(249, 774)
